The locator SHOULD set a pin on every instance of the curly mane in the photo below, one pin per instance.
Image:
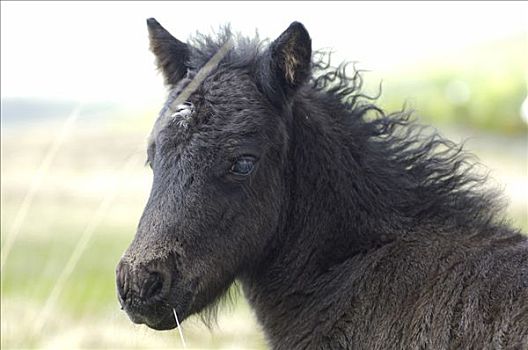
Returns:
(432, 178)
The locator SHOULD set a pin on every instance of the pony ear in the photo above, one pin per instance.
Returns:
(291, 57)
(171, 54)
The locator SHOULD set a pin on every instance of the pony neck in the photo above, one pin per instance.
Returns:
(338, 208)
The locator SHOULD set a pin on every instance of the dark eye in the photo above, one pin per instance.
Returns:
(243, 165)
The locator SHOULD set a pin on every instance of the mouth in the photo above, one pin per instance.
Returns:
(158, 316)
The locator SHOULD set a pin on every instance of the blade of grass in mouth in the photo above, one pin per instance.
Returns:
(179, 328)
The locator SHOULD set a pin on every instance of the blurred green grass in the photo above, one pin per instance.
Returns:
(480, 87)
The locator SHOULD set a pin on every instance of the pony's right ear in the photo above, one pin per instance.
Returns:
(171, 54)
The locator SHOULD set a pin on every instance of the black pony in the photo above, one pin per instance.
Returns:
(346, 227)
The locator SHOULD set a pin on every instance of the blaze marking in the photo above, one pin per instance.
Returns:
(182, 115)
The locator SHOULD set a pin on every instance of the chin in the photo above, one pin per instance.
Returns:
(159, 317)
(165, 324)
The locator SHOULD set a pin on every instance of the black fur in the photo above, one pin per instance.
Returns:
(356, 229)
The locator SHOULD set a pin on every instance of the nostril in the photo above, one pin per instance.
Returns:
(152, 286)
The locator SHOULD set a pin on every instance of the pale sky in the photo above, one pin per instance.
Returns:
(98, 51)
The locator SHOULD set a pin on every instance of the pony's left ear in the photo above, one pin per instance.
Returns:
(290, 57)
(171, 54)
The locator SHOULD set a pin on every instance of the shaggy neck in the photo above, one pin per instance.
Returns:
(328, 222)
(335, 192)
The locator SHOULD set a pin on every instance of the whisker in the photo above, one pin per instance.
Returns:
(179, 328)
